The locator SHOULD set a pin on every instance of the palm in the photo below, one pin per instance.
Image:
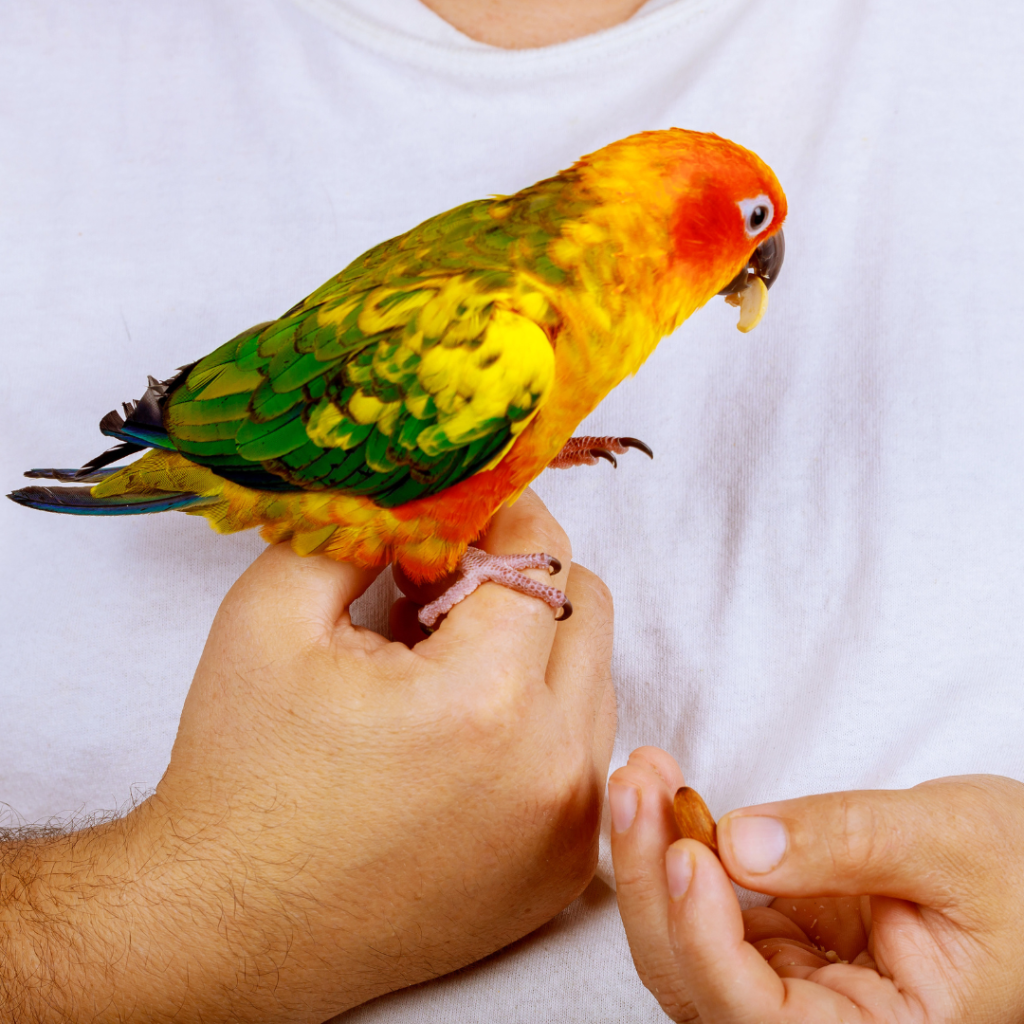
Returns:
(798, 936)
(908, 954)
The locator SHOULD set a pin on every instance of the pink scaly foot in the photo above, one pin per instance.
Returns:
(585, 451)
(479, 567)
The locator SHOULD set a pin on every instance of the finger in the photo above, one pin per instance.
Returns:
(579, 671)
(496, 625)
(579, 668)
(761, 923)
(309, 595)
(605, 728)
(664, 766)
(934, 844)
(726, 977)
(830, 923)
(787, 953)
(405, 623)
(782, 942)
(640, 796)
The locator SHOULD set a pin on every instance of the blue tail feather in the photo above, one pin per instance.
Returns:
(135, 435)
(80, 501)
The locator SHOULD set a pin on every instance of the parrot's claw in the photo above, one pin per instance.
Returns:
(479, 567)
(632, 442)
(585, 451)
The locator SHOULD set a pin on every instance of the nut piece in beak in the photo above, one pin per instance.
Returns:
(693, 818)
(752, 301)
(749, 288)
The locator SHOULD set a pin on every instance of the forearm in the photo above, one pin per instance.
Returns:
(65, 915)
(89, 930)
(154, 918)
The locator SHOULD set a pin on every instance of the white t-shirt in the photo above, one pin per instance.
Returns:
(819, 582)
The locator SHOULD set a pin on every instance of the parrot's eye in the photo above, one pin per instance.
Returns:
(757, 214)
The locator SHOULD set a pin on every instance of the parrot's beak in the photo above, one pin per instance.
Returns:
(765, 262)
(749, 288)
(768, 256)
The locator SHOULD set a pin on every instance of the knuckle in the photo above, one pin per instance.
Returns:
(663, 983)
(569, 809)
(983, 828)
(861, 834)
(587, 587)
(682, 1011)
(493, 709)
(656, 766)
(526, 526)
(571, 785)
(551, 538)
(549, 533)
(582, 864)
(638, 882)
(626, 775)
(993, 802)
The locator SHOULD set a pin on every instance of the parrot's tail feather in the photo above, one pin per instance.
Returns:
(141, 426)
(139, 435)
(115, 454)
(145, 417)
(71, 475)
(80, 501)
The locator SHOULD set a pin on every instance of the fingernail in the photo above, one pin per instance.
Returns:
(758, 843)
(624, 801)
(679, 869)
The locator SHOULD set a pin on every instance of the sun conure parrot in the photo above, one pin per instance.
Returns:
(389, 415)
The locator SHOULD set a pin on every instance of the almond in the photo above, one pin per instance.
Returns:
(693, 817)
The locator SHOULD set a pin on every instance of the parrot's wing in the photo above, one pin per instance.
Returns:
(394, 392)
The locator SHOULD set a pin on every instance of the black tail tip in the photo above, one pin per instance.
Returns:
(52, 499)
(73, 476)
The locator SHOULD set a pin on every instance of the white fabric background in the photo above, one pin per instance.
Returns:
(818, 582)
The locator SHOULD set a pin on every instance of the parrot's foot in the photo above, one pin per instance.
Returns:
(479, 567)
(585, 451)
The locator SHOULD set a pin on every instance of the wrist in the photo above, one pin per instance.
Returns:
(82, 933)
(222, 921)
(64, 913)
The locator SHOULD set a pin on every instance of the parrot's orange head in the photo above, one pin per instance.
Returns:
(721, 206)
(729, 211)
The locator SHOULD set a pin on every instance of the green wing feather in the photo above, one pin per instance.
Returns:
(414, 368)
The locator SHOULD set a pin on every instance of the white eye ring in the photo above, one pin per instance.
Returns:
(757, 214)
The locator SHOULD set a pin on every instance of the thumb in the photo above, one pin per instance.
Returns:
(936, 844)
(308, 594)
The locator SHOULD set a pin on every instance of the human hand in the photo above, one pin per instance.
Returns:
(939, 939)
(343, 816)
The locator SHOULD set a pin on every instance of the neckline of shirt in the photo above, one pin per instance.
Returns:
(420, 37)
